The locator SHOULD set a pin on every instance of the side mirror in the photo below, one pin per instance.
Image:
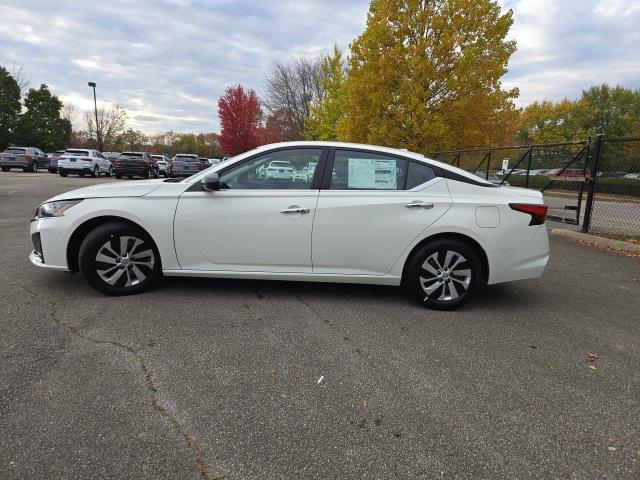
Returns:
(211, 182)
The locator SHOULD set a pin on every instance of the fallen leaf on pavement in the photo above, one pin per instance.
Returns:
(612, 449)
(592, 367)
(592, 356)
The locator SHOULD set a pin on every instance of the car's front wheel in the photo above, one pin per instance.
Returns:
(96, 172)
(119, 259)
(443, 274)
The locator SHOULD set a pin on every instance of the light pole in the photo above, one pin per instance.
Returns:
(95, 104)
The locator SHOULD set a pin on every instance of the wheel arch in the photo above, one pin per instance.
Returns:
(472, 243)
(82, 230)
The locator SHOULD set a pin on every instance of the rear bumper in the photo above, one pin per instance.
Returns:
(130, 170)
(75, 170)
(523, 262)
(15, 163)
(183, 173)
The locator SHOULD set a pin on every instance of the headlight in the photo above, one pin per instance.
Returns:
(55, 209)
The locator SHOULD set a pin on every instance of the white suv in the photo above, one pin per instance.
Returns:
(83, 162)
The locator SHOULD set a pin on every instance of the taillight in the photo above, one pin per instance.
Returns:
(538, 212)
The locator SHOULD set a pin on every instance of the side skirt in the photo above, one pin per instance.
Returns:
(292, 277)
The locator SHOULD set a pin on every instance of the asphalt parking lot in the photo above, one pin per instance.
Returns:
(246, 379)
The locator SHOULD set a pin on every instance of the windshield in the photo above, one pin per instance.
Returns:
(132, 154)
(15, 150)
(157, 157)
(77, 153)
(186, 158)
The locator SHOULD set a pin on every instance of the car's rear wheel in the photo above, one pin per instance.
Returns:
(119, 259)
(110, 172)
(63, 174)
(5, 169)
(118, 176)
(443, 274)
(34, 167)
(96, 172)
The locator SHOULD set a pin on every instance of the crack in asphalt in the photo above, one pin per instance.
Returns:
(190, 442)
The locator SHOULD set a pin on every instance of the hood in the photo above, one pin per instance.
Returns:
(117, 189)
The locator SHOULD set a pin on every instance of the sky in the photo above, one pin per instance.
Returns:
(166, 62)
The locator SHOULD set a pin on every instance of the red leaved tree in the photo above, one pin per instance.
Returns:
(275, 127)
(240, 120)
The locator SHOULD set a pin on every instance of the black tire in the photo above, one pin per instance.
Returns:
(156, 173)
(118, 176)
(34, 167)
(129, 176)
(96, 172)
(63, 174)
(5, 169)
(110, 172)
(128, 277)
(430, 279)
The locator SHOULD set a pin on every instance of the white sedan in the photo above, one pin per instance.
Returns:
(369, 215)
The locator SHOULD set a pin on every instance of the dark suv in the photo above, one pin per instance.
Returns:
(186, 164)
(135, 163)
(29, 159)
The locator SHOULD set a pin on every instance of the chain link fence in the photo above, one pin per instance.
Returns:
(595, 185)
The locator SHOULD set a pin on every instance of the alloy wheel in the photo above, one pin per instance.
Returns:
(124, 261)
(445, 275)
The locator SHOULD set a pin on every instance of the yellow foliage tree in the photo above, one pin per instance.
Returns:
(425, 75)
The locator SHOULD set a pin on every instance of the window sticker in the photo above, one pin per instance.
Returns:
(372, 174)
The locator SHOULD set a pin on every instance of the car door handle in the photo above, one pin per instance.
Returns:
(295, 209)
(418, 204)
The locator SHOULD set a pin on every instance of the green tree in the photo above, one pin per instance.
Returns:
(322, 123)
(425, 75)
(614, 111)
(551, 122)
(9, 107)
(41, 126)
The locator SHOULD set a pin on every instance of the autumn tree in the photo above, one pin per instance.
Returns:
(322, 123)
(291, 88)
(111, 124)
(240, 120)
(9, 106)
(275, 129)
(425, 75)
(614, 111)
(551, 122)
(41, 125)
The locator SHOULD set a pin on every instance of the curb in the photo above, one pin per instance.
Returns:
(597, 241)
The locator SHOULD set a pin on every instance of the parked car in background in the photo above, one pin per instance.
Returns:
(29, 159)
(437, 230)
(276, 170)
(132, 164)
(492, 178)
(111, 156)
(214, 161)
(569, 173)
(83, 162)
(186, 164)
(53, 161)
(163, 164)
(612, 174)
